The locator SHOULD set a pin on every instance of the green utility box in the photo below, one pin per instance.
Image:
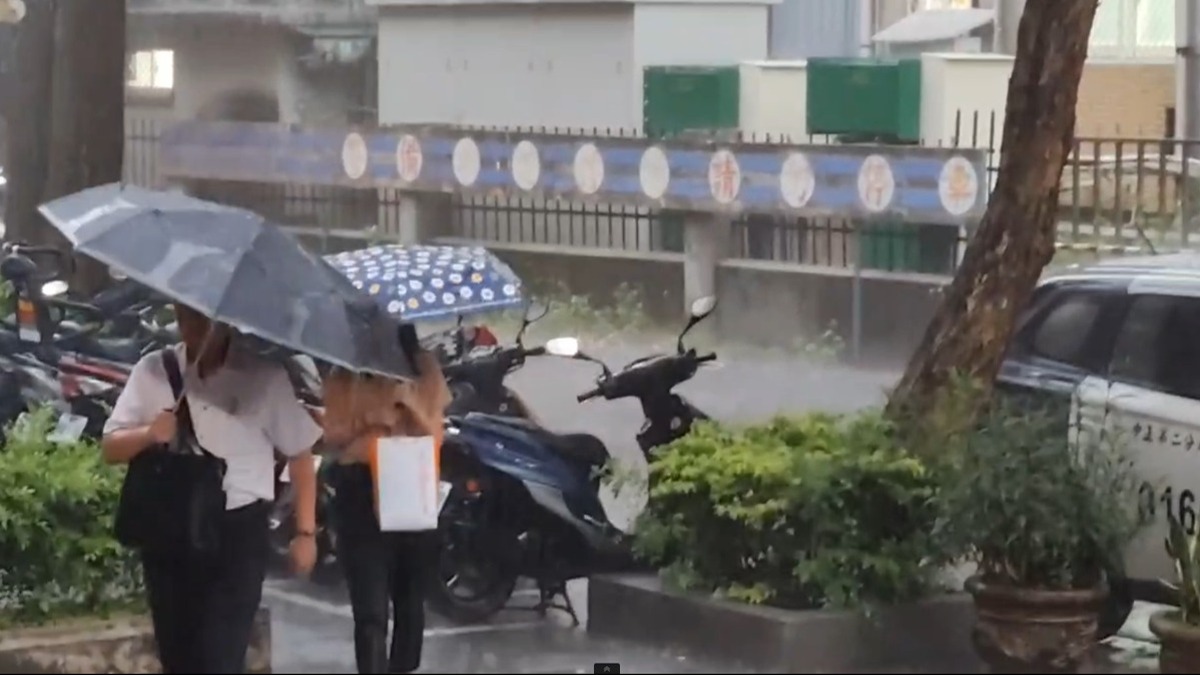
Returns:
(868, 97)
(676, 99)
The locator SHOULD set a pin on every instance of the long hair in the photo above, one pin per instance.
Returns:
(356, 403)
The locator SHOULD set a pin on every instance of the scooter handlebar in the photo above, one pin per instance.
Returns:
(707, 357)
(587, 395)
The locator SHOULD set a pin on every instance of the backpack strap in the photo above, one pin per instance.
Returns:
(183, 413)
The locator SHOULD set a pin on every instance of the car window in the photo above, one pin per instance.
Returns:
(1064, 331)
(1158, 345)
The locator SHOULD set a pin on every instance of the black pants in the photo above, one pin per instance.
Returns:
(380, 567)
(203, 612)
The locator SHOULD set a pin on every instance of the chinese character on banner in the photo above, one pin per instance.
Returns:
(724, 177)
(409, 158)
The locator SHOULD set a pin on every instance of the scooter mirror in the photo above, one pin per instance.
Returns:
(535, 311)
(563, 346)
(702, 307)
(699, 309)
(54, 288)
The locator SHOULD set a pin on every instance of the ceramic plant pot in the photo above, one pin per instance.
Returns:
(1021, 630)
(1180, 642)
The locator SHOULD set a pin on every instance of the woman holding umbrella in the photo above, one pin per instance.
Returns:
(381, 566)
(243, 409)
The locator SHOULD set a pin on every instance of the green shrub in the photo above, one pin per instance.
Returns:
(57, 553)
(1040, 499)
(809, 512)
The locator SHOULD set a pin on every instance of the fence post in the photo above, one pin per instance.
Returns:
(705, 236)
(856, 310)
(423, 217)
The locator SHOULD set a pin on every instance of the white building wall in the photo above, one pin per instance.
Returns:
(541, 65)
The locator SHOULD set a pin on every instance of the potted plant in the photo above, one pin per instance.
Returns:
(1179, 629)
(1045, 506)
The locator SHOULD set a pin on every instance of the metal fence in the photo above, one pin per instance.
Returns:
(1123, 195)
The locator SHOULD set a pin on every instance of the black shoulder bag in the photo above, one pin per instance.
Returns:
(173, 497)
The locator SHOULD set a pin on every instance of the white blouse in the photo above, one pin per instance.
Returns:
(243, 413)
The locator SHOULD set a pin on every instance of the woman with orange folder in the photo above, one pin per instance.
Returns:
(380, 566)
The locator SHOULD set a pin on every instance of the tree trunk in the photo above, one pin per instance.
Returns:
(970, 331)
(28, 123)
(88, 116)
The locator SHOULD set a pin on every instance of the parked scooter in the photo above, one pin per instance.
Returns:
(525, 501)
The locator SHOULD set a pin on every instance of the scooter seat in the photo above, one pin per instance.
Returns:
(583, 448)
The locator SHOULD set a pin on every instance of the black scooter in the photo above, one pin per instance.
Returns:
(525, 501)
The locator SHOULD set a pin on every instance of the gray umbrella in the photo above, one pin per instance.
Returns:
(234, 267)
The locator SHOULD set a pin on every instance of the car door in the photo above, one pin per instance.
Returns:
(1154, 406)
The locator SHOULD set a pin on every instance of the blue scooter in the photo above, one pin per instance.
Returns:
(524, 501)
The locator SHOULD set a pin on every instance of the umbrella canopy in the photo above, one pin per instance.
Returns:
(234, 267)
(429, 282)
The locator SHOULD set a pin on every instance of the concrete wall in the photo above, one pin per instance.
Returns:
(769, 304)
(657, 278)
(779, 304)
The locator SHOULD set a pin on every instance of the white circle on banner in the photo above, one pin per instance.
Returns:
(796, 180)
(724, 177)
(589, 169)
(654, 172)
(466, 162)
(958, 185)
(526, 166)
(409, 158)
(354, 155)
(876, 183)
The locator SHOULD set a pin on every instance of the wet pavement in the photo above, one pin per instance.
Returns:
(312, 633)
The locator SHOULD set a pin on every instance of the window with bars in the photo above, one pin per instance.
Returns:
(152, 70)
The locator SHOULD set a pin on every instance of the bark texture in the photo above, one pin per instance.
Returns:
(87, 142)
(25, 109)
(1015, 240)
